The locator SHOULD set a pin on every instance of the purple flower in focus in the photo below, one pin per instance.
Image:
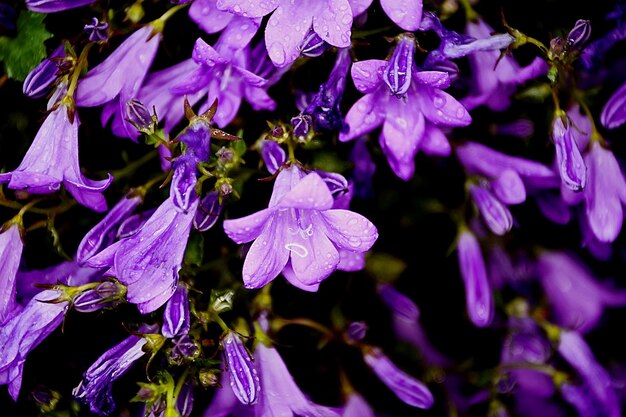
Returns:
(11, 246)
(52, 159)
(595, 379)
(103, 234)
(24, 332)
(493, 87)
(95, 389)
(51, 6)
(148, 261)
(244, 379)
(38, 81)
(576, 296)
(408, 389)
(478, 293)
(614, 111)
(117, 80)
(290, 22)
(176, 314)
(408, 121)
(299, 230)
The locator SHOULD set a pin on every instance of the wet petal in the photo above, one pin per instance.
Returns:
(441, 108)
(286, 29)
(366, 75)
(333, 23)
(349, 230)
(310, 193)
(247, 8)
(363, 117)
(248, 228)
(405, 13)
(267, 256)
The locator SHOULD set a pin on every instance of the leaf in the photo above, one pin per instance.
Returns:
(25, 51)
(195, 250)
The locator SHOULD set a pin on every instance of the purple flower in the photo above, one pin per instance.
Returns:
(478, 294)
(273, 155)
(407, 14)
(605, 193)
(208, 212)
(299, 229)
(614, 111)
(408, 121)
(330, 19)
(51, 6)
(408, 389)
(106, 295)
(148, 261)
(103, 234)
(176, 314)
(38, 81)
(576, 296)
(495, 214)
(52, 159)
(313, 45)
(595, 379)
(24, 332)
(493, 87)
(118, 78)
(579, 35)
(244, 379)
(11, 246)
(279, 393)
(95, 389)
(207, 16)
(569, 160)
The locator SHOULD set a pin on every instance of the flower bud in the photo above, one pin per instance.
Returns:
(209, 378)
(357, 331)
(301, 126)
(244, 379)
(183, 349)
(478, 293)
(495, 214)
(579, 35)
(225, 155)
(106, 295)
(273, 155)
(221, 301)
(176, 314)
(397, 74)
(138, 115)
(184, 402)
(39, 80)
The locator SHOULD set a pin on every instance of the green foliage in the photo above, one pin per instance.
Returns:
(22, 53)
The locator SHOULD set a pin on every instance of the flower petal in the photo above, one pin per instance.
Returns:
(441, 108)
(267, 256)
(366, 75)
(405, 13)
(614, 111)
(333, 23)
(349, 230)
(364, 116)
(247, 8)
(293, 20)
(206, 15)
(310, 193)
(246, 229)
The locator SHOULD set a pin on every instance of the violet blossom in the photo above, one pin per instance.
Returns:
(40, 79)
(568, 157)
(576, 296)
(244, 379)
(614, 111)
(299, 230)
(409, 119)
(11, 246)
(117, 80)
(176, 314)
(52, 6)
(496, 215)
(330, 19)
(52, 159)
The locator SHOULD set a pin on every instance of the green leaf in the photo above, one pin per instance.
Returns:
(239, 147)
(195, 250)
(25, 51)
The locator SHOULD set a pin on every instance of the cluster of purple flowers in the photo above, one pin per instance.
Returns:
(208, 300)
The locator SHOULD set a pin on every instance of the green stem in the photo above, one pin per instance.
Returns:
(82, 61)
(159, 23)
(470, 13)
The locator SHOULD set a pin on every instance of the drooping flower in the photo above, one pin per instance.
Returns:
(52, 159)
(51, 6)
(244, 379)
(576, 296)
(330, 19)
(493, 87)
(24, 332)
(299, 229)
(117, 80)
(95, 389)
(478, 293)
(568, 157)
(614, 111)
(407, 388)
(11, 246)
(409, 119)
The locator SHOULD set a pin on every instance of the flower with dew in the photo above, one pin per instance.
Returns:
(300, 230)
(410, 104)
(11, 246)
(52, 159)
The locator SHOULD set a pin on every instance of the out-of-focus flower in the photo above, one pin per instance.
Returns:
(51, 6)
(614, 111)
(52, 159)
(478, 293)
(299, 229)
(11, 246)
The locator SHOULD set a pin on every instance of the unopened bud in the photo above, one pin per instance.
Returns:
(208, 212)
(579, 35)
(301, 126)
(39, 80)
(244, 379)
(221, 301)
(209, 378)
(225, 154)
(397, 74)
(138, 115)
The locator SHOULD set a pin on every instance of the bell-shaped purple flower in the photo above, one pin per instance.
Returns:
(38, 81)
(407, 121)
(52, 159)
(290, 22)
(605, 193)
(493, 87)
(104, 233)
(299, 229)
(313, 45)
(478, 293)
(148, 261)
(184, 181)
(11, 246)
(595, 379)
(495, 214)
(95, 389)
(176, 313)
(614, 111)
(24, 332)
(569, 160)
(576, 296)
(51, 6)
(407, 388)
(244, 379)
(117, 80)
